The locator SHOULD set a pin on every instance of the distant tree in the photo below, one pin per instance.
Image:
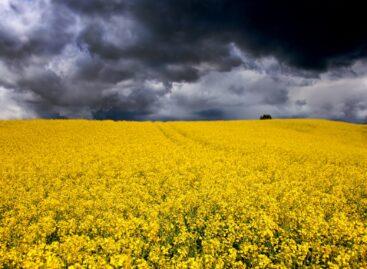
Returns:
(266, 117)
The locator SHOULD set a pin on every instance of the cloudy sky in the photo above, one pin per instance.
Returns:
(182, 59)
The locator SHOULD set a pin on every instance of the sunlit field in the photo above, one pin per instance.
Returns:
(235, 194)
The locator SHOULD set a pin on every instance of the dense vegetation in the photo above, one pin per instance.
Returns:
(274, 194)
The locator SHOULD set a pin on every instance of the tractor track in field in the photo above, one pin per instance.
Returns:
(168, 136)
(181, 138)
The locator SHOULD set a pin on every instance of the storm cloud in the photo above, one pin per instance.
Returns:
(196, 59)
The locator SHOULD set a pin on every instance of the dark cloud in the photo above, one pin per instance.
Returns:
(276, 97)
(136, 106)
(46, 85)
(211, 114)
(236, 89)
(306, 34)
(95, 6)
(96, 69)
(124, 59)
(301, 103)
(351, 109)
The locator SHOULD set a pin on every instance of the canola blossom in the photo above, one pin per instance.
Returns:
(235, 194)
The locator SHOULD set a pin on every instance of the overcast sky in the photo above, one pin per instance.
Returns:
(182, 59)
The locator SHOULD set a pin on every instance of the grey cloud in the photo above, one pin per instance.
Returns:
(236, 89)
(343, 98)
(237, 94)
(211, 114)
(47, 38)
(13, 105)
(352, 109)
(301, 103)
(276, 97)
(181, 59)
(96, 7)
(248, 94)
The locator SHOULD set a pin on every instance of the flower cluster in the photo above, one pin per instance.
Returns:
(236, 194)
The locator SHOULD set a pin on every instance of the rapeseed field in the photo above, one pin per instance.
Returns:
(235, 194)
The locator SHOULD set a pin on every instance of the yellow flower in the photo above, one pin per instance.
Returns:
(235, 194)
